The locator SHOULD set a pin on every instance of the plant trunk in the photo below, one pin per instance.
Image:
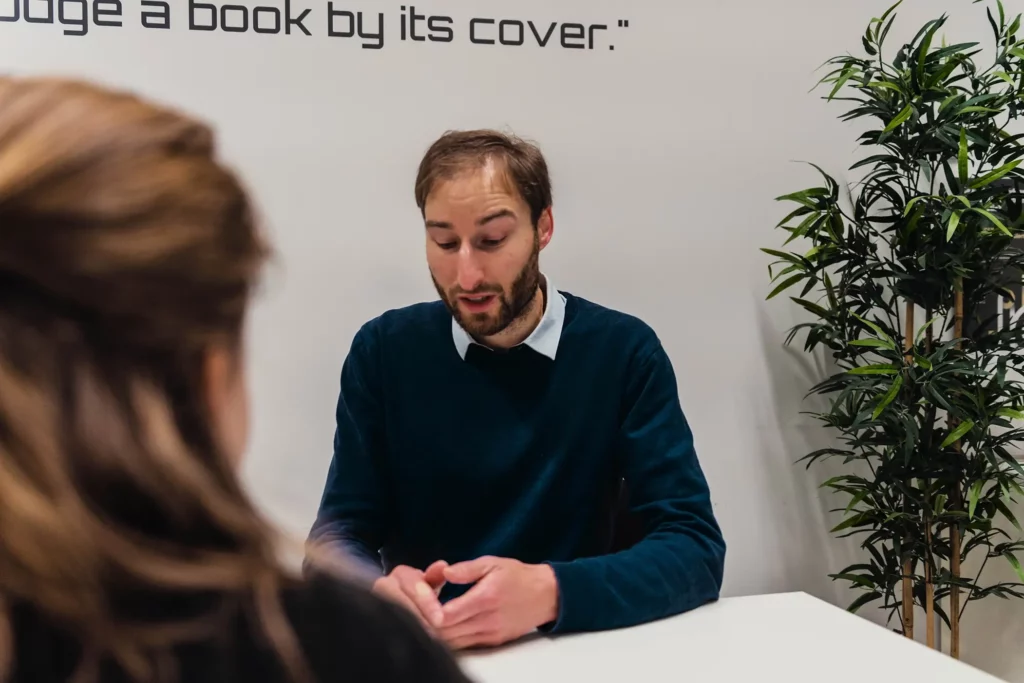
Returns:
(908, 579)
(929, 565)
(929, 589)
(957, 501)
(954, 592)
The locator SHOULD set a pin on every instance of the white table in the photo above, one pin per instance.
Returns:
(789, 637)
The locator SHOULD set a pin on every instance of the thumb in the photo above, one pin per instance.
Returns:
(434, 575)
(471, 571)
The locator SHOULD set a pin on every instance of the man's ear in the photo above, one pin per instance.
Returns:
(545, 227)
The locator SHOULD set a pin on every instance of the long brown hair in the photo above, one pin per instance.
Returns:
(126, 252)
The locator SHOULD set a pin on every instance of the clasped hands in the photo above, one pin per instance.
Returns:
(508, 599)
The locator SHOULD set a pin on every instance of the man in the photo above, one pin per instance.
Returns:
(482, 440)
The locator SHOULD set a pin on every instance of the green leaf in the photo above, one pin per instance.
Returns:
(924, 328)
(972, 497)
(889, 11)
(1017, 52)
(1005, 511)
(786, 284)
(954, 221)
(885, 84)
(863, 600)
(954, 436)
(861, 495)
(889, 396)
(874, 343)
(948, 101)
(868, 47)
(829, 290)
(1005, 76)
(976, 109)
(848, 522)
(1010, 413)
(848, 73)
(792, 258)
(1015, 563)
(915, 200)
(855, 578)
(785, 271)
(922, 52)
(877, 330)
(799, 197)
(995, 175)
(900, 118)
(962, 158)
(995, 221)
(876, 369)
(812, 307)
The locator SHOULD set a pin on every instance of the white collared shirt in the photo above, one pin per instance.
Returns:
(544, 338)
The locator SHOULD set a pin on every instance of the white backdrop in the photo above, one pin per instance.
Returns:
(666, 152)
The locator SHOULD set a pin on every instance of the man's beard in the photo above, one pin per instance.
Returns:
(512, 305)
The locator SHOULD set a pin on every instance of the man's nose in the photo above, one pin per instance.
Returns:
(470, 274)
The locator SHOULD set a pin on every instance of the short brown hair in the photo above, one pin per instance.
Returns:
(456, 151)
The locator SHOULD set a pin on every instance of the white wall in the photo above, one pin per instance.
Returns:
(666, 154)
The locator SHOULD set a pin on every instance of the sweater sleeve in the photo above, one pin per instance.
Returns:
(353, 514)
(678, 564)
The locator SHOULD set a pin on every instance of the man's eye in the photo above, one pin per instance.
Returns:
(491, 243)
(447, 246)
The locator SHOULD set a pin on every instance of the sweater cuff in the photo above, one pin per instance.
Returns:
(572, 581)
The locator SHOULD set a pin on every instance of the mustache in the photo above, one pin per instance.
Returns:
(482, 289)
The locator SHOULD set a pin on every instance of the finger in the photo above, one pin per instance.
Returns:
(426, 602)
(471, 571)
(483, 639)
(435, 574)
(478, 625)
(480, 599)
(395, 594)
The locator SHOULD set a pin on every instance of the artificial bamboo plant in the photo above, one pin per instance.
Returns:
(896, 268)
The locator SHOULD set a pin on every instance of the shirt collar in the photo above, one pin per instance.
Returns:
(544, 339)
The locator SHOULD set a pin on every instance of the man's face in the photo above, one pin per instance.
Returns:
(482, 249)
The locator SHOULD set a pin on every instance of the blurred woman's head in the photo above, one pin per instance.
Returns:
(127, 258)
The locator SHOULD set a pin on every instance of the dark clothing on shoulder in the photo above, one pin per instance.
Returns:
(346, 634)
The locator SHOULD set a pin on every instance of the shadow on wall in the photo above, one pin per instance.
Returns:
(814, 552)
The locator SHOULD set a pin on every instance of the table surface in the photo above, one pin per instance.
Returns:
(764, 637)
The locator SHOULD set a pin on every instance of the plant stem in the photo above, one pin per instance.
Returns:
(929, 588)
(956, 500)
(977, 577)
(908, 579)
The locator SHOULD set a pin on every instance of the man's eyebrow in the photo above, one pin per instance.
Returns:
(439, 224)
(502, 213)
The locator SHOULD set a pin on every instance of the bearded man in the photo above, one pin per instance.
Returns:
(487, 443)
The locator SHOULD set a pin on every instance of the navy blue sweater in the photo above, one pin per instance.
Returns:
(513, 454)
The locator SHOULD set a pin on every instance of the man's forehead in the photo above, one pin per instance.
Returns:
(487, 178)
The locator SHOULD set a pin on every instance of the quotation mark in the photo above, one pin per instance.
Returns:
(623, 23)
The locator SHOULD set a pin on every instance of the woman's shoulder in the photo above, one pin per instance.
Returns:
(348, 633)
